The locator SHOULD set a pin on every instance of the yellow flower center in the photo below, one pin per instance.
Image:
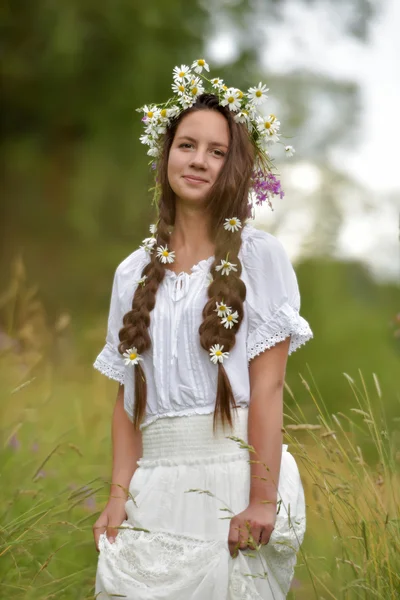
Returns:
(150, 114)
(267, 124)
(232, 222)
(229, 318)
(181, 88)
(231, 99)
(225, 87)
(218, 353)
(240, 94)
(226, 265)
(165, 253)
(215, 80)
(222, 307)
(181, 73)
(163, 113)
(258, 93)
(133, 356)
(194, 91)
(201, 62)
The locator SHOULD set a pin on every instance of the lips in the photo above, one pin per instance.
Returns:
(194, 179)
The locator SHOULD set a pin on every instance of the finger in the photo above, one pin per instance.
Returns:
(244, 532)
(98, 528)
(255, 533)
(233, 540)
(266, 535)
(112, 533)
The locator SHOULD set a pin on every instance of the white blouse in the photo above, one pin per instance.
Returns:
(181, 379)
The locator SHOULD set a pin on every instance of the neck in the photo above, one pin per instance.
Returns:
(191, 233)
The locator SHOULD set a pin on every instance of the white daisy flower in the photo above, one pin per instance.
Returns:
(142, 280)
(289, 151)
(231, 99)
(165, 255)
(181, 73)
(258, 95)
(217, 83)
(186, 101)
(196, 87)
(154, 151)
(226, 267)
(179, 87)
(147, 139)
(230, 320)
(269, 126)
(199, 65)
(153, 229)
(148, 244)
(217, 355)
(150, 112)
(232, 224)
(131, 356)
(222, 309)
(173, 111)
(242, 117)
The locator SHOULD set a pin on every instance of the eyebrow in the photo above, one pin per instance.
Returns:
(187, 137)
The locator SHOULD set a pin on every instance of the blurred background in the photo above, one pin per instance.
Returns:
(75, 202)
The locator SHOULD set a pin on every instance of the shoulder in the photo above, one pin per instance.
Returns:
(131, 266)
(260, 247)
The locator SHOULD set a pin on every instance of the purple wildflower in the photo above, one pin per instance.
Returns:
(144, 119)
(153, 166)
(265, 185)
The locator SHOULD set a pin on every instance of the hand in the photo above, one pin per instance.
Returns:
(111, 517)
(251, 527)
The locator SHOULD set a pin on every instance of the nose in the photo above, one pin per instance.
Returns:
(199, 159)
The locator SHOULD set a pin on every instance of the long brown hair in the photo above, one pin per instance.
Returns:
(228, 197)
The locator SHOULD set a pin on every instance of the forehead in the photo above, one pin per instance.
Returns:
(203, 125)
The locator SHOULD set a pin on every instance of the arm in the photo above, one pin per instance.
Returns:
(127, 449)
(267, 374)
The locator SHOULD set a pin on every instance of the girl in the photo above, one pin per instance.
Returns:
(206, 503)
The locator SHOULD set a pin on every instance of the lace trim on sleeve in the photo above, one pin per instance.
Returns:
(109, 363)
(285, 322)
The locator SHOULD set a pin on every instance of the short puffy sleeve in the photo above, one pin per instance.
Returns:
(273, 298)
(110, 361)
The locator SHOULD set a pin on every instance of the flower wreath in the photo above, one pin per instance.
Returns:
(264, 130)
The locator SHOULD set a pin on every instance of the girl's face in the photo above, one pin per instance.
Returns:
(197, 155)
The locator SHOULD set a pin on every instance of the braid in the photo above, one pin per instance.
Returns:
(135, 331)
(230, 290)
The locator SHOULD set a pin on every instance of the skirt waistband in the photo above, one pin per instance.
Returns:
(191, 440)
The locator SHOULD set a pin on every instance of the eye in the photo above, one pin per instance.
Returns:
(185, 145)
(219, 153)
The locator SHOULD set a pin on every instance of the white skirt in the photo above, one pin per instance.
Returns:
(185, 481)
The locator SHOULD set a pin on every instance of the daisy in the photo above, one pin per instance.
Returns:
(258, 95)
(231, 99)
(196, 87)
(217, 354)
(153, 229)
(179, 87)
(154, 151)
(217, 83)
(199, 65)
(289, 151)
(142, 280)
(226, 267)
(242, 116)
(131, 356)
(232, 224)
(148, 244)
(150, 112)
(222, 310)
(165, 255)
(186, 101)
(230, 320)
(181, 73)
